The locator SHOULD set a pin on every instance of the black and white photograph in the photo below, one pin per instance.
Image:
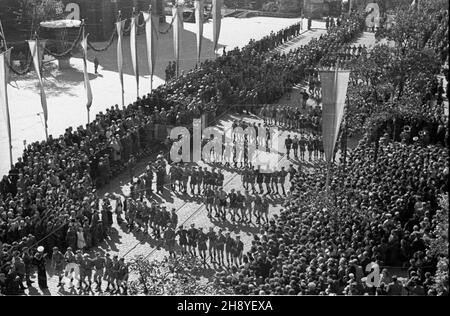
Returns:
(224, 153)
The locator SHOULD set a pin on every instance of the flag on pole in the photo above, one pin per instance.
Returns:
(199, 9)
(177, 13)
(37, 51)
(133, 46)
(151, 32)
(120, 25)
(334, 92)
(3, 45)
(4, 75)
(87, 83)
(217, 18)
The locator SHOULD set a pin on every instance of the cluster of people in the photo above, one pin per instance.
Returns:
(78, 266)
(293, 118)
(171, 70)
(383, 214)
(273, 40)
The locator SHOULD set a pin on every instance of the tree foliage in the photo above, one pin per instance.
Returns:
(179, 276)
(439, 247)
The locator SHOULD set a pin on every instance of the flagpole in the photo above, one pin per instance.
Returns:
(151, 21)
(83, 30)
(119, 19)
(133, 16)
(38, 46)
(329, 162)
(5, 61)
(2, 33)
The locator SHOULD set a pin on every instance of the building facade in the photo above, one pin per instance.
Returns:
(99, 16)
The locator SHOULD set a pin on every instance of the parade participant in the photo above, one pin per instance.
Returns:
(202, 247)
(185, 174)
(259, 179)
(182, 239)
(288, 145)
(145, 217)
(109, 278)
(282, 179)
(115, 275)
(119, 210)
(239, 250)
(160, 178)
(295, 146)
(173, 176)
(169, 237)
(28, 262)
(220, 244)
(148, 179)
(265, 209)
(220, 179)
(192, 235)
(310, 145)
(209, 200)
(251, 178)
(247, 210)
(58, 264)
(206, 178)
(232, 197)
(267, 179)
(200, 180)
(274, 181)
(99, 266)
(39, 261)
(130, 215)
(174, 218)
(229, 248)
(86, 266)
(244, 177)
(193, 181)
(212, 238)
(222, 203)
(240, 200)
(122, 276)
(18, 266)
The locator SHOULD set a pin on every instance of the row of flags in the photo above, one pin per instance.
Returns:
(151, 27)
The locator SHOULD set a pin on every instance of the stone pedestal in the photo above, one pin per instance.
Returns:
(64, 63)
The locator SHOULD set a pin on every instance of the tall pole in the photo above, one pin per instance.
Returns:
(151, 21)
(83, 30)
(349, 6)
(4, 59)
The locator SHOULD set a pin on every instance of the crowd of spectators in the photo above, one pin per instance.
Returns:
(382, 209)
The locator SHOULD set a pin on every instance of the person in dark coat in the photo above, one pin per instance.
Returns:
(39, 261)
(71, 238)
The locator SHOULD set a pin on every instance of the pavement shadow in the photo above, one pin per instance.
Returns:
(165, 53)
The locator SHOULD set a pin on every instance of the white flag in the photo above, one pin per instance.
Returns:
(151, 31)
(133, 46)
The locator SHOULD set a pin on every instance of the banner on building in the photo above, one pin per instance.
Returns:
(334, 92)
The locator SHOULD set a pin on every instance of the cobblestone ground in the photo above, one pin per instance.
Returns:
(190, 209)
